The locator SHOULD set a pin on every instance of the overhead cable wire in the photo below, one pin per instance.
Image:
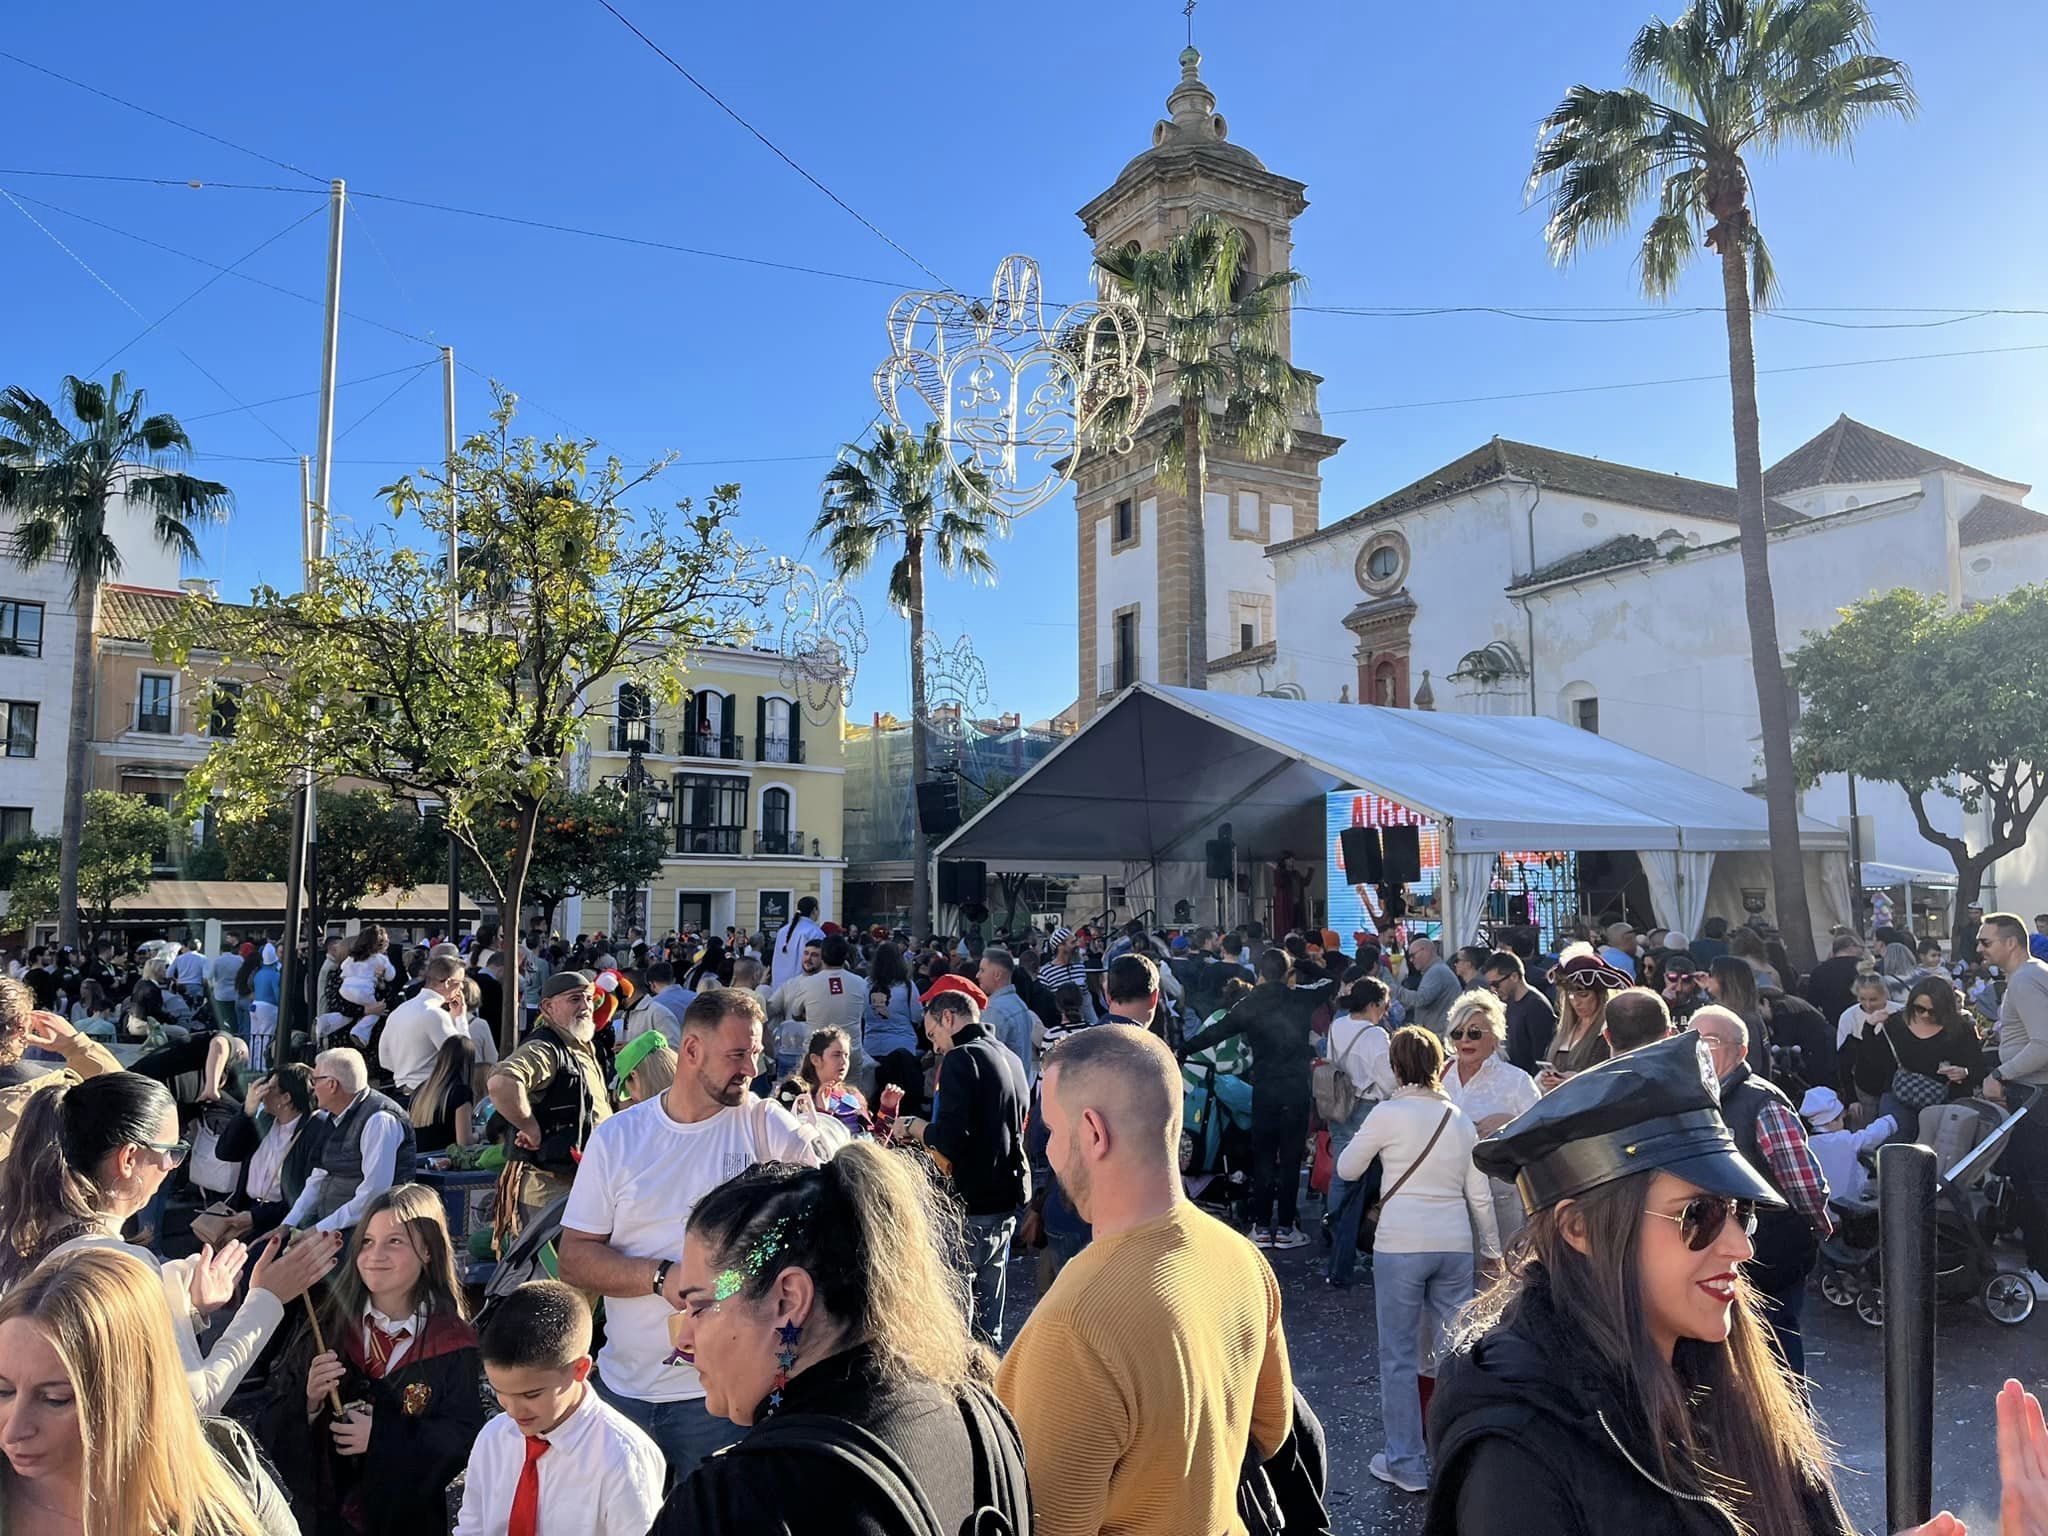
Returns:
(257, 154)
(123, 300)
(773, 147)
(307, 394)
(402, 386)
(196, 292)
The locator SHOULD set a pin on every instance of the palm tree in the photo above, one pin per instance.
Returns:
(906, 491)
(60, 477)
(1728, 79)
(1219, 327)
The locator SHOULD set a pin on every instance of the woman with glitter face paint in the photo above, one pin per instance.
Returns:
(821, 1312)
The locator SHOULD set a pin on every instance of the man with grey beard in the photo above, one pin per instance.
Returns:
(551, 1090)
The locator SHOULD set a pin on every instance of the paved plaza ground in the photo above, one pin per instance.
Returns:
(1330, 1335)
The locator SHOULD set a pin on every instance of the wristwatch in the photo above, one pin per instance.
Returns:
(661, 1276)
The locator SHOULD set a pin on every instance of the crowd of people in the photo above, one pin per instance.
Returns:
(770, 1187)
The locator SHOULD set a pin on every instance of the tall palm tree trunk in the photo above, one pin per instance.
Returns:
(77, 744)
(1198, 545)
(920, 887)
(1788, 872)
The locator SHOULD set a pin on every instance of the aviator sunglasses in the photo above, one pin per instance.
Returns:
(1703, 1217)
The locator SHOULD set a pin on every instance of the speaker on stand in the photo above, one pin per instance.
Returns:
(1362, 858)
(1401, 861)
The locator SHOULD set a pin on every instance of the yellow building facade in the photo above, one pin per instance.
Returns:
(759, 796)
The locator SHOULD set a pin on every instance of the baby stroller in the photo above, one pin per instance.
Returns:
(1972, 1206)
(1216, 1134)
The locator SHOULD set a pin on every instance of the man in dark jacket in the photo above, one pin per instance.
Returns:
(1276, 1020)
(1831, 985)
(977, 1138)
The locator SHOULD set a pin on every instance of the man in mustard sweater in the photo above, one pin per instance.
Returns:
(1157, 1357)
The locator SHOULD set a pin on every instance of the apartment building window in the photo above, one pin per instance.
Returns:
(21, 628)
(19, 718)
(1586, 715)
(776, 832)
(227, 709)
(1126, 522)
(779, 731)
(153, 704)
(711, 813)
(1126, 648)
(17, 823)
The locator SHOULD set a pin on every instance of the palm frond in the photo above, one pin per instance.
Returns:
(1763, 277)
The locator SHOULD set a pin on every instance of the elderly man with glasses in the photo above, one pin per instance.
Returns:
(1769, 1133)
(1428, 1001)
(368, 1146)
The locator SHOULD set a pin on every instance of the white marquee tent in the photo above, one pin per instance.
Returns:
(1149, 779)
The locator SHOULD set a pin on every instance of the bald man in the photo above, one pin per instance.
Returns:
(1158, 1352)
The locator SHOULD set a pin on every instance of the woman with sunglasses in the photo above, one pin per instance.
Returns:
(88, 1158)
(1931, 1040)
(1616, 1377)
(1584, 982)
(1489, 1088)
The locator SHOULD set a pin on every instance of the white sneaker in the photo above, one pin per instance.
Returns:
(1380, 1471)
(1291, 1237)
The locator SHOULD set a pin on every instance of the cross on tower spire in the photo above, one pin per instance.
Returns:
(1188, 11)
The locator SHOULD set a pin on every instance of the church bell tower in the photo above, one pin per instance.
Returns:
(1135, 544)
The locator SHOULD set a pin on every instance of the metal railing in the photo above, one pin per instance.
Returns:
(790, 843)
(781, 749)
(712, 840)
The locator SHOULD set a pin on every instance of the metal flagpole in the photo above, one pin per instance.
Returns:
(323, 481)
(454, 617)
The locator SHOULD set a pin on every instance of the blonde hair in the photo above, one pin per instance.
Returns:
(655, 1074)
(148, 1470)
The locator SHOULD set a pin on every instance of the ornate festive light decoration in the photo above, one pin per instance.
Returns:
(955, 687)
(1014, 396)
(822, 640)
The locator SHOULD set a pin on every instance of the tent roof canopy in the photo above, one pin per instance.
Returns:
(1152, 775)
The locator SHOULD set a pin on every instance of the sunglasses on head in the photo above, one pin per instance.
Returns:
(1703, 1217)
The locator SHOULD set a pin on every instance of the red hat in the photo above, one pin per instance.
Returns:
(952, 983)
(832, 928)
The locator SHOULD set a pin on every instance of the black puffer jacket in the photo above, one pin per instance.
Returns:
(1528, 1439)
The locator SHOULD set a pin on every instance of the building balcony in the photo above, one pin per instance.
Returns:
(780, 749)
(717, 841)
(784, 844)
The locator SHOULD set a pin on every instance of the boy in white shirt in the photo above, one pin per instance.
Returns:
(559, 1459)
(1840, 1151)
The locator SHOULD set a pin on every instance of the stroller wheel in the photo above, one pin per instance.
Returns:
(1870, 1306)
(2008, 1298)
(1840, 1287)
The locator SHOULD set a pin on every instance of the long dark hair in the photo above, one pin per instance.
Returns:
(888, 971)
(372, 940)
(1737, 984)
(1724, 1420)
(425, 1220)
(454, 1063)
(877, 1240)
(245, 978)
(1941, 998)
(146, 1001)
(49, 1181)
(820, 1042)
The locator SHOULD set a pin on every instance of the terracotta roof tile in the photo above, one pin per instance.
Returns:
(1993, 519)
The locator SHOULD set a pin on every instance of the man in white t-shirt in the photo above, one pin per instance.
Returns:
(789, 943)
(643, 1172)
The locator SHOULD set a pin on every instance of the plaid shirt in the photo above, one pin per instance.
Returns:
(1782, 1140)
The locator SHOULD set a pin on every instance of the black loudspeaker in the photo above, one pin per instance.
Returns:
(1361, 855)
(961, 883)
(1402, 861)
(938, 807)
(1221, 858)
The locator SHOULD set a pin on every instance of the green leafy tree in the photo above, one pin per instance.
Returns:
(117, 854)
(1727, 82)
(906, 495)
(369, 845)
(588, 843)
(1219, 327)
(1944, 705)
(62, 469)
(361, 678)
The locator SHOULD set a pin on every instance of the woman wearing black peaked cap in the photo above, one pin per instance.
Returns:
(1616, 1378)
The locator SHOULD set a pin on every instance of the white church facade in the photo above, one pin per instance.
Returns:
(1521, 579)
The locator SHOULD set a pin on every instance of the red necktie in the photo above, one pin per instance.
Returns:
(379, 1346)
(525, 1519)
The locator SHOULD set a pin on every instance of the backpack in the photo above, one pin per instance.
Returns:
(1337, 1096)
(1002, 1497)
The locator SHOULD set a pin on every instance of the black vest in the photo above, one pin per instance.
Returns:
(562, 1110)
(1785, 1240)
(341, 1153)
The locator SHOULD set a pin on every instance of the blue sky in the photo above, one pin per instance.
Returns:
(964, 132)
